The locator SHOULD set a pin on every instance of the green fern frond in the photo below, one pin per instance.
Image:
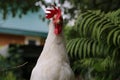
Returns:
(97, 27)
(97, 45)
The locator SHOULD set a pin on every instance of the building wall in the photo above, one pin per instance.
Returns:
(6, 39)
(38, 40)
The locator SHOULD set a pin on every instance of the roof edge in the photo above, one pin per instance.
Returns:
(22, 32)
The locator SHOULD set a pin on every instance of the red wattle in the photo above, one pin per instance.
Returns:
(57, 30)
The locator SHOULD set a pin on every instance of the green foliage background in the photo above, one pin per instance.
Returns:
(9, 69)
(94, 51)
(22, 7)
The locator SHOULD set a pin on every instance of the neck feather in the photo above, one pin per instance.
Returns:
(52, 38)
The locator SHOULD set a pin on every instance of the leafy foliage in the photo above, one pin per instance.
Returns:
(17, 7)
(21, 7)
(9, 66)
(95, 52)
(5, 75)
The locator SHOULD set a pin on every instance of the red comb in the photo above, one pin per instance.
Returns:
(55, 11)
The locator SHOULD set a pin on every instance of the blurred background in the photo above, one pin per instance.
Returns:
(23, 30)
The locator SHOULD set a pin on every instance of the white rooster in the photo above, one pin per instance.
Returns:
(53, 63)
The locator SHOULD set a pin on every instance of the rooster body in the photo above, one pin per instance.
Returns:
(53, 63)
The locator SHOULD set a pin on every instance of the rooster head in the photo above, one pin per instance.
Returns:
(56, 16)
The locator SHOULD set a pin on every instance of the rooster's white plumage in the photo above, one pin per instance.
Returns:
(53, 63)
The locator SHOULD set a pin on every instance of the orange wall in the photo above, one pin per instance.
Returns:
(8, 39)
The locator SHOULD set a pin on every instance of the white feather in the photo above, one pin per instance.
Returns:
(53, 63)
